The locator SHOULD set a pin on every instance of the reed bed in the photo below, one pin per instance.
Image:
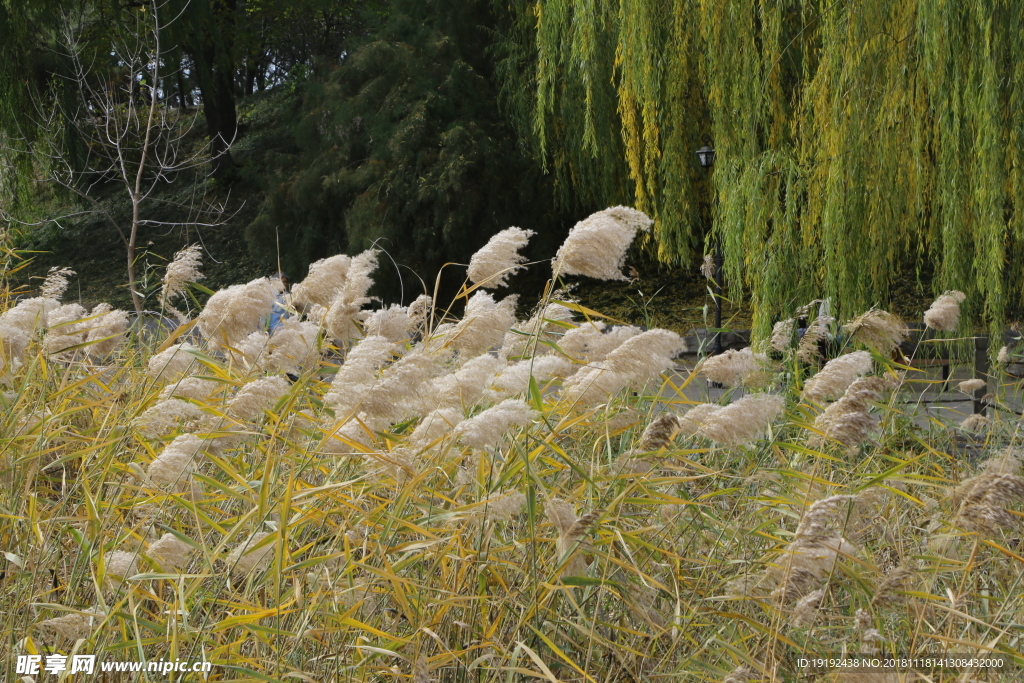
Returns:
(389, 494)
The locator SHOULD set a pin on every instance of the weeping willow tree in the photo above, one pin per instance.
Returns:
(857, 141)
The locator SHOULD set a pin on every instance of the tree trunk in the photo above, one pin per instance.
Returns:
(221, 119)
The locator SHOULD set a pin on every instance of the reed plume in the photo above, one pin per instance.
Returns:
(596, 246)
(878, 329)
(492, 265)
(742, 421)
(832, 381)
(944, 313)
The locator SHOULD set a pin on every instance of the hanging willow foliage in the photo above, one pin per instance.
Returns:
(857, 140)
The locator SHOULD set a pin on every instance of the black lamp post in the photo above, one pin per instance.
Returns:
(706, 156)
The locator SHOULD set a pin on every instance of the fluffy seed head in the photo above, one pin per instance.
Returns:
(323, 283)
(182, 270)
(808, 350)
(176, 461)
(659, 433)
(173, 362)
(245, 558)
(466, 386)
(392, 322)
(237, 311)
(483, 326)
(1004, 355)
(74, 626)
(66, 327)
(345, 308)
(170, 552)
(969, 386)
(257, 396)
(691, 420)
(782, 334)
(106, 331)
(486, 429)
(742, 421)
(515, 379)
(877, 329)
(944, 313)
(848, 420)
(975, 423)
(119, 566)
(596, 246)
(836, 377)
(498, 259)
(56, 283)
(166, 416)
(359, 373)
(732, 367)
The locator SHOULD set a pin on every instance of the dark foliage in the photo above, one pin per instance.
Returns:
(402, 146)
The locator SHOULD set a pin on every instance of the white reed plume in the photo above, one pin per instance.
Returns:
(944, 313)
(816, 547)
(742, 421)
(66, 327)
(633, 364)
(502, 508)
(593, 341)
(483, 326)
(659, 433)
(106, 331)
(433, 426)
(492, 265)
(18, 327)
(74, 626)
(807, 349)
(530, 336)
(515, 379)
(176, 462)
(166, 416)
(292, 347)
(358, 431)
(806, 609)
(596, 246)
(975, 423)
(402, 391)
(877, 329)
(486, 429)
(359, 373)
(170, 552)
(732, 368)
(419, 313)
(119, 565)
(56, 283)
(836, 377)
(191, 388)
(237, 311)
(392, 322)
(1004, 356)
(245, 558)
(346, 306)
(323, 283)
(256, 397)
(691, 420)
(466, 386)
(173, 362)
(848, 420)
(182, 270)
(782, 334)
(969, 386)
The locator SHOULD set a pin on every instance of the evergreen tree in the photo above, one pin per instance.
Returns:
(402, 146)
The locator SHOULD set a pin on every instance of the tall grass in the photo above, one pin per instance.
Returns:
(489, 500)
